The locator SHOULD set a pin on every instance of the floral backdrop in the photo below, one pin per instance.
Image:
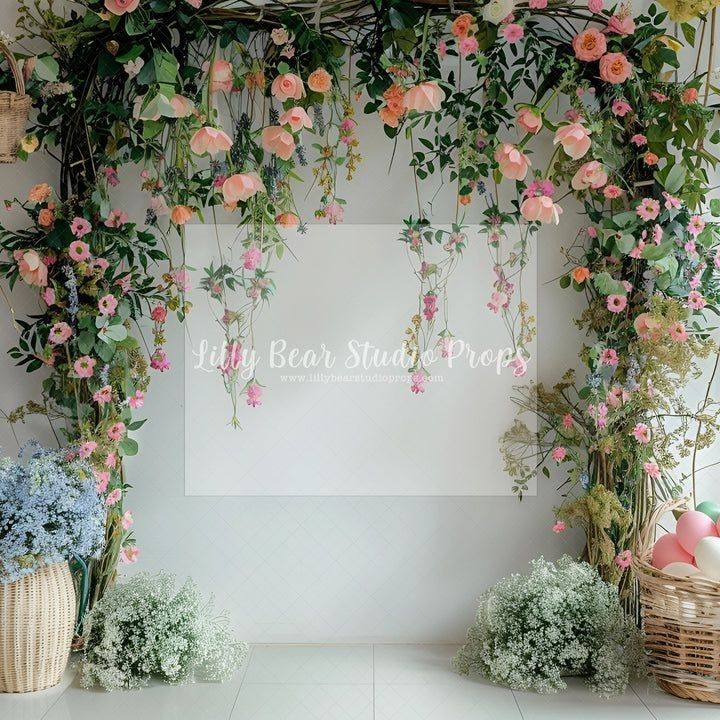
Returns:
(218, 104)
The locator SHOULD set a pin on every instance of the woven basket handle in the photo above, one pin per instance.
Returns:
(14, 67)
(646, 537)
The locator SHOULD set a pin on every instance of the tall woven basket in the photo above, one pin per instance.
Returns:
(681, 619)
(14, 111)
(36, 628)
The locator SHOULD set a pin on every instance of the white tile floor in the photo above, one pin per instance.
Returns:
(346, 682)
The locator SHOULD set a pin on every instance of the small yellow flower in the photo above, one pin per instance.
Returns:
(29, 143)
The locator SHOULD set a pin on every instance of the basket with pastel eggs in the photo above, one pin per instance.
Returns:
(679, 577)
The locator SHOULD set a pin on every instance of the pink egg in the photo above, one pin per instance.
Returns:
(692, 527)
(668, 550)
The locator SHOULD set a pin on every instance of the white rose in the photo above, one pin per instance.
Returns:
(497, 10)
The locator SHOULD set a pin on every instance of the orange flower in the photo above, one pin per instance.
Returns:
(690, 95)
(461, 25)
(464, 199)
(181, 214)
(580, 275)
(287, 220)
(39, 193)
(46, 218)
(394, 99)
(319, 80)
(651, 158)
(389, 117)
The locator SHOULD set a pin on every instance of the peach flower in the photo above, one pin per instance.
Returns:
(241, 187)
(425, 97)
(389, 117)
(574, 138)
(541, 209)
(530, 119)
(591, 175)
(287, 86)
(615, 68)
(220, 76)
(513, 163)
(287, 220)
(46, 218)
(589, 45)
(297, 118)
(210, 140)
(32, 269)
(647, 327)
(319, 80)
(120, 7)
(580, 275)
(182, 106)
(461, 25)
(180, 214)
(39, 193)
(279, 141)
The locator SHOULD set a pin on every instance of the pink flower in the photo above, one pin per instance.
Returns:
(159, 360)
(574, 138)
(107, 304)
(417, 382)
(498, 301)
(430, 306)
(609, 357)
(616, 303)
(103, 478)
(518, 365)
(80, 227)
(79, 250)
(137, 400)
(678, 332)
(111, 460)
(297, 118)
(512, 32)
(86, 449)
(648, 209)
(127, 520)
(512, 162)
(100, 264)
(254, 395)
(116, 219)
(441, 49)
(530, 119)
(48, 296)
(103, 395)
(537, 4)
(696, 225)
(181, 105)
(696, 301)
(542, 209)
(241, 187)
(567, 421)
(590, 175)
(620, 108)
(612, 192)
(333, 213)
(425, 97)
(59, 333)
(468, 45)
(120, 7)
(641, 432)
(287, 86)
(210, 140)
(181, 278)
(652, 470)
(589, 45)
(84, 366)
(113, 497)
(595, 6)
(638, 139)
(278, 141)
(624, 25)
(615, 68)
(671, 202)
(558, 454)
(222, 76)
(116, 431)
(252, 257)
(129, 555)
(559, 527)
(624, 559)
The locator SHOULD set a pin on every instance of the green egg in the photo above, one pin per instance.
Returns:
(711, 509)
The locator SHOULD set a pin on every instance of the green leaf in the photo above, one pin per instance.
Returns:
(115, 332)
(85, 342)
(128, 447)
(675, 179)
(565, 282)
(657, 252)
(607, 285)
(625, 243)
(47, 68)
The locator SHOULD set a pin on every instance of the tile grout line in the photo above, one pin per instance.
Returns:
(517, 704)
(242, 680)
(645, 705)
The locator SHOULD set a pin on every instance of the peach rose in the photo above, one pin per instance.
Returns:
(46, 218)
(296, 118)
(287, 86)
(589, 45)
(580, 275)
(220, 76)
(461, 25)
(287, 220)
(210, 140)
(279, 141)
(320, 80)
(590, 175)
(574, 138)
(120, 7)
(39, 193)
(513, 163)
(530, 119)
(541, 209)
(181, 214)
(425, 97)
(615, 68)
(182, 106)
(241, 187)
(389, 117)
(32, 269)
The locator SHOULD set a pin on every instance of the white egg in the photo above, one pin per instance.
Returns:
(707, 557)
(681, 569)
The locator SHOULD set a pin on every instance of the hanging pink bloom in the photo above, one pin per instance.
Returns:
(498, 301)
(696, 225)
(530, 119)
(116, 219)
(127, 520)
(137, 400)
(518, 365)
(513, 32)
(567, 421)
(441, 49)
(59, 333)
(86, 449)
(159, 360)
(558, 454)
(79, 250)
(334, 213)
(417, 382)
(287, 86)
(159, 313)
(103, 395)
(541, 208)
(252, 257)
(468, 46)
(241, 187)
(129, 555)
(116, 431)
(624, 559)
(84, 366)
(609, 357)
(278, 141)
(113, 497)
(254, 395)
(111, 460)
(678, 332)
(652, 469)
(48, 296)
(107, 305)
(80, 227)
(641, 432)
(671, 202)
(430, 306)
(222, 75)
(648, 209)
(616, 303)
(103, 478)
(574, 139)
(210, 140)
(513, 164)
(424, 97)
(181, 278)
(612, 192)
(621, 25)
(696, 301)
(595, 6)
(590, 176)
(559, 527)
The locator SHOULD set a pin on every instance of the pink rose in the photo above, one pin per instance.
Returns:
(589, 45)
(220, 76)
(513, 32)
(241, 187)
(297, 118)
(31, 267)
(425, 97)
(210, 140)
(574, 138)
(542, 209)
(591, 175)
(468, 45)
(615, 68)
(278, 141)
(120, 7)
(530, 119)
(287, 86)
(513, 164)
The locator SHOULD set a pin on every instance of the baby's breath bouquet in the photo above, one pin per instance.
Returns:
(561, 619)
(146, 627)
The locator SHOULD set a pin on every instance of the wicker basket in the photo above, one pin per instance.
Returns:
(681, 620)
(14, 111)
(37, 613)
